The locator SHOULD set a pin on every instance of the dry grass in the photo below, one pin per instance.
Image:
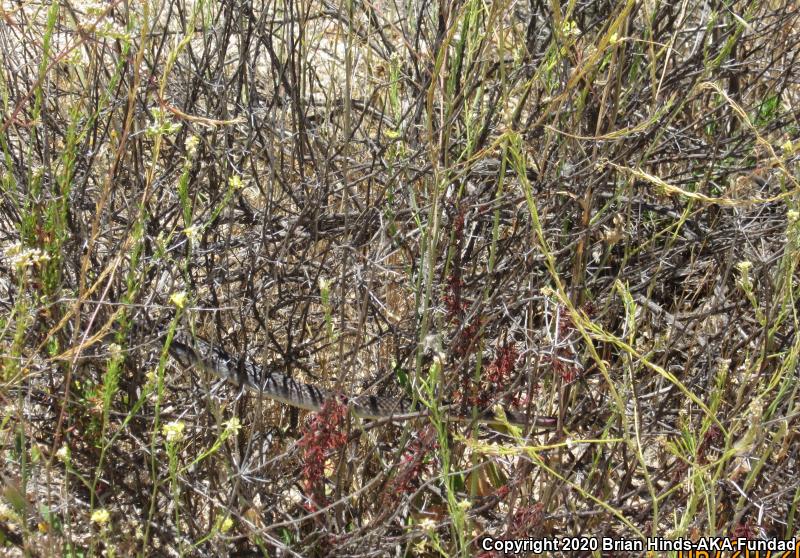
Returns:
(585, 209)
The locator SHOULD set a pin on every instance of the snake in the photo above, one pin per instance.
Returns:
(193, 352)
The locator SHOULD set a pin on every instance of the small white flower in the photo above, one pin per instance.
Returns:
(427, 524)
(94, 8)
(115, 350)
(232, 426)
(63, 454)
(191, 144)
(8, 514)
(172, 128)
(744, 267)
(14, 249)
(22, 258)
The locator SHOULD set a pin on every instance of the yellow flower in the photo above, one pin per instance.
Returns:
(100, 517)
(193, 232)
(570, 28)
(226, 524)
(235, 182)
(173, 431)
(178, 299)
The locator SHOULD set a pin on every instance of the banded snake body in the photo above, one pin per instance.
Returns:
(193, 352)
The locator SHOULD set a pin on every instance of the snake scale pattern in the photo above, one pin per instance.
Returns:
(193, 352)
